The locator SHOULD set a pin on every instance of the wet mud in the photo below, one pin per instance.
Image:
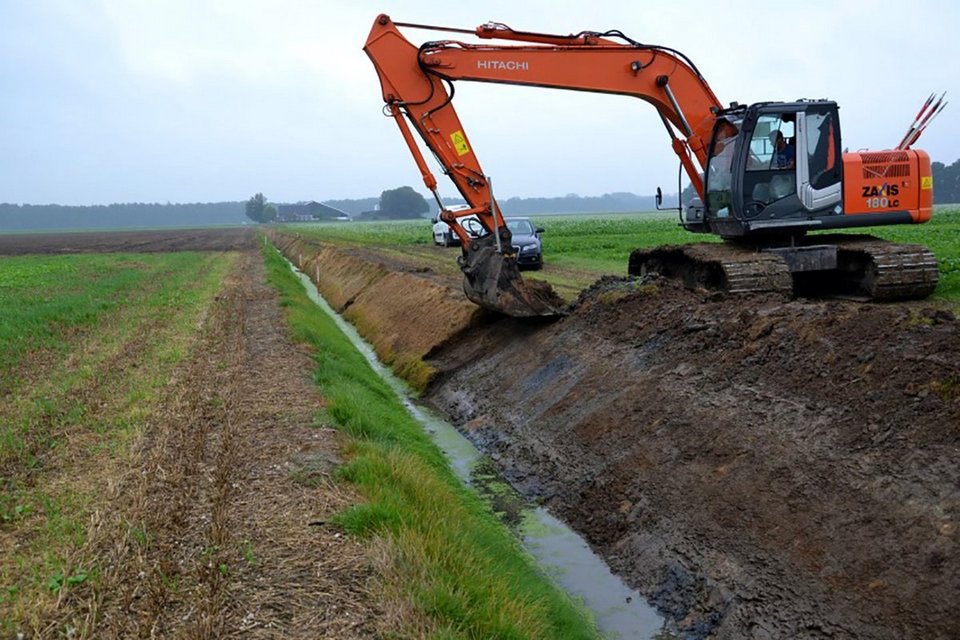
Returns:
(757, 468)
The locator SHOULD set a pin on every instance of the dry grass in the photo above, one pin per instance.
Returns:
(206, 524)
(219, 541)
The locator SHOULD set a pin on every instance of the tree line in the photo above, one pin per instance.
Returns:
(399, 203)
(946, 183)
(26, 217)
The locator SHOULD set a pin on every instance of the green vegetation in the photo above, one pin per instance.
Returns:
(601, 243)
(385, 232)
(946, 182)
(87, 344)
(258, 210)
(453, 568)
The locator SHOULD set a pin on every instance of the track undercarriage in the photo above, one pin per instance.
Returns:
(830, 265)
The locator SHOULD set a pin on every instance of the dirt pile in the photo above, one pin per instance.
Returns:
(758, 468)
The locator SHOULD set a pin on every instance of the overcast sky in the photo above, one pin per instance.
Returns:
(209, 100)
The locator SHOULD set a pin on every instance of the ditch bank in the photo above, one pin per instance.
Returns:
(404, 312)
(757, 468)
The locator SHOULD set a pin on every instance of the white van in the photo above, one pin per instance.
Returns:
(443, 236)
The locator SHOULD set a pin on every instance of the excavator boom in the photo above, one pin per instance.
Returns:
(417, 86)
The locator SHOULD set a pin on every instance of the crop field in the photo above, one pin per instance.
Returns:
(187, 449)
(580, 248)
(87, 344)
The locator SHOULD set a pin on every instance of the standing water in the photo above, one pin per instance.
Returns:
(620, 612)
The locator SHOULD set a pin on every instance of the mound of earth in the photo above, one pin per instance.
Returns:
(405, 312)
(758, 468)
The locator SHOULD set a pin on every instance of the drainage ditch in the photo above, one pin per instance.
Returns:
(620, 612)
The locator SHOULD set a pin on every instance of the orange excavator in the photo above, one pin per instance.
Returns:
(766, 173)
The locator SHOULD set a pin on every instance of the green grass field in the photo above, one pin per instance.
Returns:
(451, 562)
(579, 248)
(87, 344)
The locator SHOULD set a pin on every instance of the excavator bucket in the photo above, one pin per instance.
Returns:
(492, 280)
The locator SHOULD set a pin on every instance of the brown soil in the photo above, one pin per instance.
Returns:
(218, 526)
(216, 239)
(758, 468)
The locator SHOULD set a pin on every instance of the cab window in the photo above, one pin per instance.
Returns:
(719, 175)
(772, 146)
(822, 149)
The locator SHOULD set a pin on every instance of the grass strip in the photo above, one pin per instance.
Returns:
(452, 564)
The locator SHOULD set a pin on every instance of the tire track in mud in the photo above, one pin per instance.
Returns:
(212, 533)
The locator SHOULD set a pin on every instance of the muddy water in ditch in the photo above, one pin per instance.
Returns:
(562, 554)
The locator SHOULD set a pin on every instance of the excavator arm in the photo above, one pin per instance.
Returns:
(418, 89)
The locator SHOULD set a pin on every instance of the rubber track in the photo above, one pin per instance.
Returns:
(889, 271)
(722, 267)
(868, 266)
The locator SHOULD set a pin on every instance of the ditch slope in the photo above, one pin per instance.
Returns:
(759, 468)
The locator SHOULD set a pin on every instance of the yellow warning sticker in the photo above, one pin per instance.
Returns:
(926, 182)
(460, 143)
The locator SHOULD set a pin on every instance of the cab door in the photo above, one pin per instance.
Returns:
(793, 169)
(820, 174)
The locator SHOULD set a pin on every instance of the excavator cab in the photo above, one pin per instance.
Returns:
(772, 168)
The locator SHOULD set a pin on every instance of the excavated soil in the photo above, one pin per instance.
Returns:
(759, 468)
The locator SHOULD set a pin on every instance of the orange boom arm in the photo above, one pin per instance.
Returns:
(415, 83)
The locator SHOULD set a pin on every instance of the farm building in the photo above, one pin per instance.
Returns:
(306, 211)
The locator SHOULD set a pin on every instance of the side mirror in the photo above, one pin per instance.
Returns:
(540, 230)
(434, 220)
(659, 198)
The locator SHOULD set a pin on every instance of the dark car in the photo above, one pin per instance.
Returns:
(526, 241)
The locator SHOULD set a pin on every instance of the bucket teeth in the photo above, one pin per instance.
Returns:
(493, 281)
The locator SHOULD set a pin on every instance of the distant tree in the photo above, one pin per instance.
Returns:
(258, 210)
(403, 202)
(688, 194)
(946, 183)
